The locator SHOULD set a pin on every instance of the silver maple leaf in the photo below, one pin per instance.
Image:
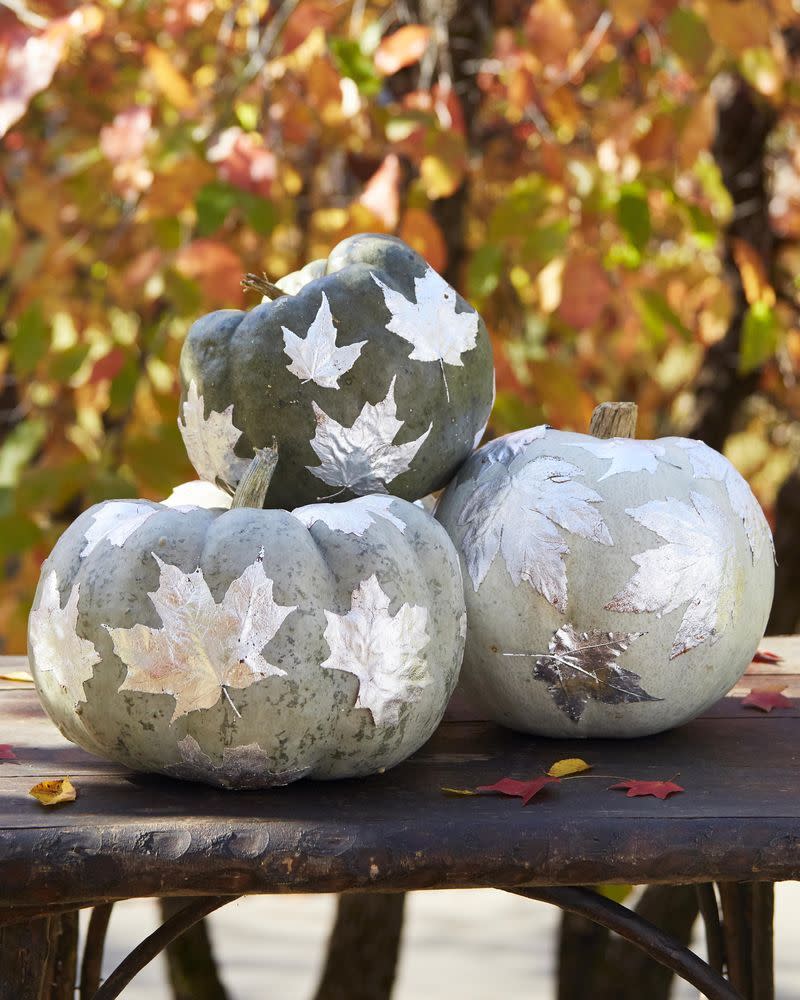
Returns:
(317, 358)
(115, 522)
(55, 643)
(382, 651)
(210, 440)
(362, 457)
(506, 448)
(580, 667)
(696, 568)
(245, 766)
(519, 513)
(626, 454)
(709, 464)
(353, 517)
(203, 648)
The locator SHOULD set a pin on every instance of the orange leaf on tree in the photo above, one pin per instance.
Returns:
(658, 789)
(381, 194)
(421, 231)
(402, 48)
(767, 700)
(524, 790)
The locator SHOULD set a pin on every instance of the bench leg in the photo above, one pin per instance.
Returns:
(747, 924)
(38, 958)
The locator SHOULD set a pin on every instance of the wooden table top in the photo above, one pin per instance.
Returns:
(137, 835)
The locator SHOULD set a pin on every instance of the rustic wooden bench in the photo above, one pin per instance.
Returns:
(132, 835)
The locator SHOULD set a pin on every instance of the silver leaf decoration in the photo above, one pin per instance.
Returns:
(210, 440)
(709, 464)
(353, 517)
(204, 648)
(317, 358)
(519, 513)
(362, 457)
(382, 651)
(625, 454)
(245, 766)
(55, 643)
(431, 323)
(506, 448)
(580, 667)
(696, 568)
(115, 522)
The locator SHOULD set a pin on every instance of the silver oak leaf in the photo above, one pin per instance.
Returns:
(55, 643)
(115, 522)
(431, 323)
(625, 454)
(362, 457)
(203, 648)
(316, 358)
(382, 651)
(245, 766)
(519, 513)
(709, 464)
(353, 517)
(695, 568)
(209, 441)
(580, 667)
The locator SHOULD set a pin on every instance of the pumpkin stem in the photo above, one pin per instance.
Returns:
(260, 283)
(610, 420)
(254, 484)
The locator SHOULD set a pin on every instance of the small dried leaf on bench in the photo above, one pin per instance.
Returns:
(570, 765)
(764, 656)
(524, 790)
(18, 676)
(658, 789)
(767, 700)
(54, 791)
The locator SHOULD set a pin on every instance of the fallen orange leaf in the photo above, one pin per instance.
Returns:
(54, 791)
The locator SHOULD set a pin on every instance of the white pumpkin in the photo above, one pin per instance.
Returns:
(247, 647)
(614, 587)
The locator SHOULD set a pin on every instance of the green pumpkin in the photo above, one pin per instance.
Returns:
(371, 373)
(247, 648)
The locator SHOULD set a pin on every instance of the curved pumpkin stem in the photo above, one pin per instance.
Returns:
(254, 484)
(260, 283)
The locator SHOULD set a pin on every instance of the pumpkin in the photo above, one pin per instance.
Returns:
(614, 587)
(370, 371)
(246, 647)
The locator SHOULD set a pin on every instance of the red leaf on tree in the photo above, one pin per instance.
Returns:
(524, 790)
(215, 267)
(109, 366)
(402, 48)
(381, 194)
(764, 656)
(658, 789)
(243, 160)
(766, 700)
(7, 752)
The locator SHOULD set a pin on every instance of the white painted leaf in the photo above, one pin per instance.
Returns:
(431, 323)
(625, 454)
(580, 667)
(198, 493)
(55, 643)
(696, 568)
(519, 513)
(506, 448)
(203, 648)
(245, 766)
(316, 358)
(709, 464)
(210, 440)
(352, 517)
(382, 651)
(116, 522)
(362, 458)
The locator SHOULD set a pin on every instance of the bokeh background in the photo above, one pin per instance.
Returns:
(614, 185)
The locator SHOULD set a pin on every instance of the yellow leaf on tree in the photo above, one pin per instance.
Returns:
(570, 765)
(169, 81)
(54, 791)
(754, 278)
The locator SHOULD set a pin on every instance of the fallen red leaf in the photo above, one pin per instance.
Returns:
(7, 752)
(524, 790)
(402, 48)
(658, 789)
(766, 700)
(764, 656)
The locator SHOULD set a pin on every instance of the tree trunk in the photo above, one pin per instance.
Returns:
(785, 616)
(363, 947)
(193, 972)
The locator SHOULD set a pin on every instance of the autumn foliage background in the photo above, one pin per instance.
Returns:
(614, 185)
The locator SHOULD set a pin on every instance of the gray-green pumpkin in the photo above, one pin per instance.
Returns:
(614, 587)
(247, 648)
(372, 373)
